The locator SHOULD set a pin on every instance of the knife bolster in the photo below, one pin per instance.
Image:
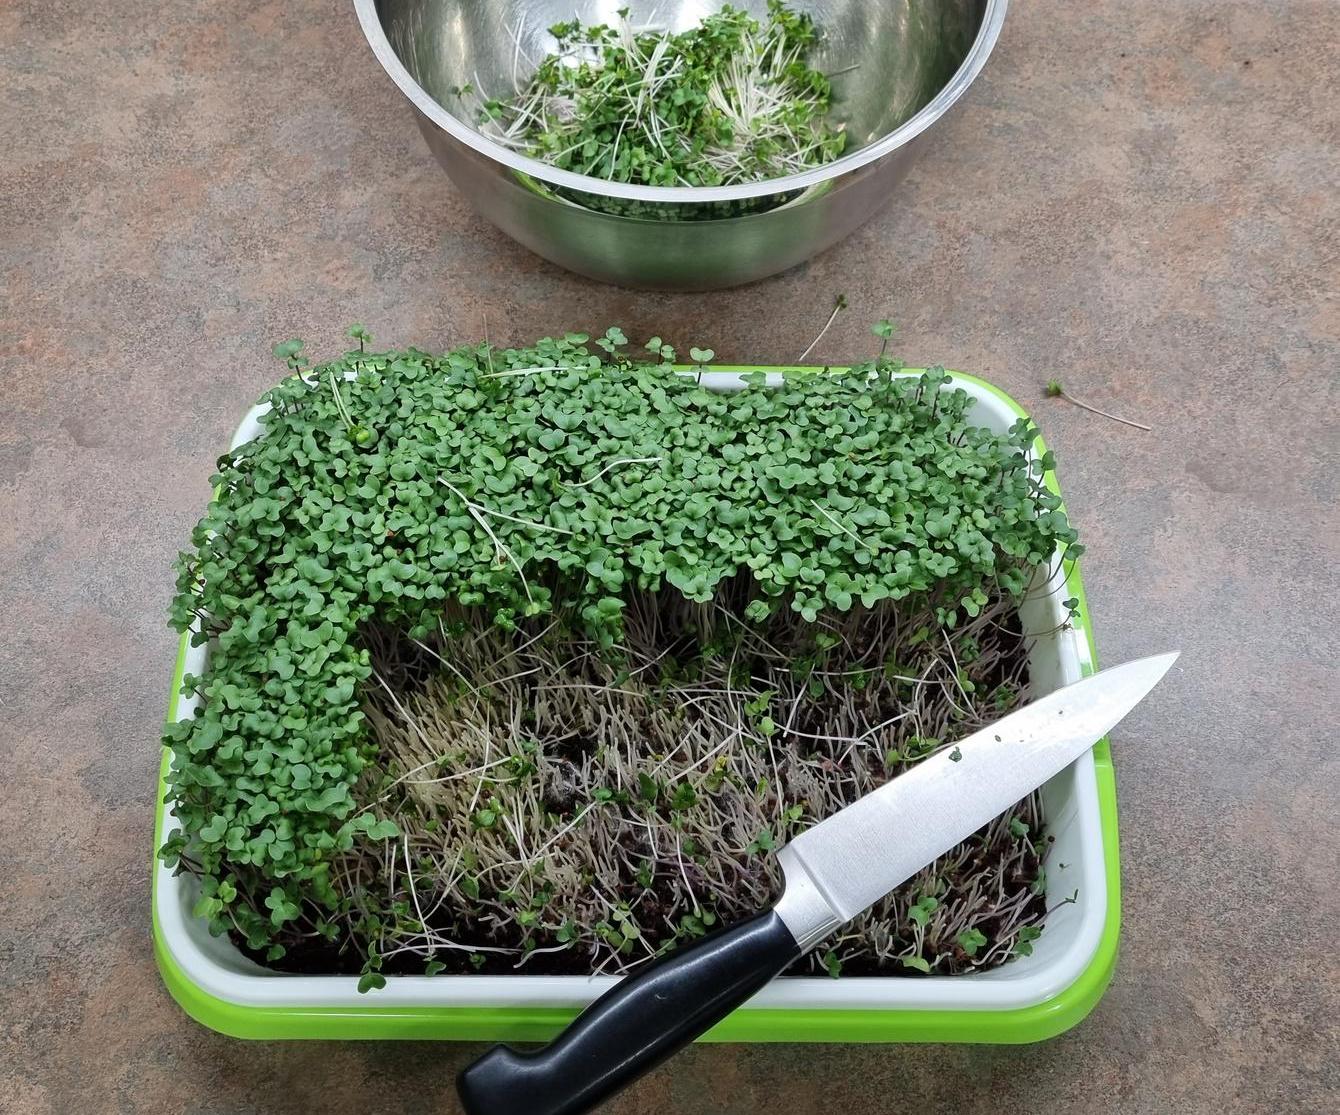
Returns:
(802, 907)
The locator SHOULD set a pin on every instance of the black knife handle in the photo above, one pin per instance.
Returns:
(633, 1026)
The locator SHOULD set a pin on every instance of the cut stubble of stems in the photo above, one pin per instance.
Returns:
(699, 768)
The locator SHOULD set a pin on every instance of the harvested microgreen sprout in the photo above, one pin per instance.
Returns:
(1054, 390)
(729, 101)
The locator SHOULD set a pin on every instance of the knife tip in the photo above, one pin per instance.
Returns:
(1150, 670)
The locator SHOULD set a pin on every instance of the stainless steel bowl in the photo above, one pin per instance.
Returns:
(905, 61)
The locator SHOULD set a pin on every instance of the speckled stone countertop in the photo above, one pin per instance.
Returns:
(1139, 198)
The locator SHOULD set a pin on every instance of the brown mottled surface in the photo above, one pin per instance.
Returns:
(1140, 198)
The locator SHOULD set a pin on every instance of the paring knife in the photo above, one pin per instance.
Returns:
(833, 872)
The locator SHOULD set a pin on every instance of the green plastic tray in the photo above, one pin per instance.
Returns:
(514, 1023)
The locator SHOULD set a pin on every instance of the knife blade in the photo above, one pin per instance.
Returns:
(833, 871)
(851, 860)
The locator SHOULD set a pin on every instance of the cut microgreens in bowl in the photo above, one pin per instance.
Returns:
(539, 672)
(730, 100)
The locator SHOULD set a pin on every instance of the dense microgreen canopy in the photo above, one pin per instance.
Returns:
(558, 481)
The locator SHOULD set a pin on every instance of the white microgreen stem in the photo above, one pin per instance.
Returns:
(502, 551)
(480, 508)
(1105, 414)
(838, 307)
(838, 523)
(339, 403)
(613, 465)
(524, 371)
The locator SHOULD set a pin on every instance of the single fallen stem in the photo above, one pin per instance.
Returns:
(615, 464)
(837, 523)
(838, 307)
(1056, 391)
(524, 371)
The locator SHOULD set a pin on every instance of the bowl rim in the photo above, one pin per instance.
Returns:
(993, 18)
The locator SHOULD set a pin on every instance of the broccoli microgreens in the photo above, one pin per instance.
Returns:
(729, 100)
(884, 330)
(544, 674)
